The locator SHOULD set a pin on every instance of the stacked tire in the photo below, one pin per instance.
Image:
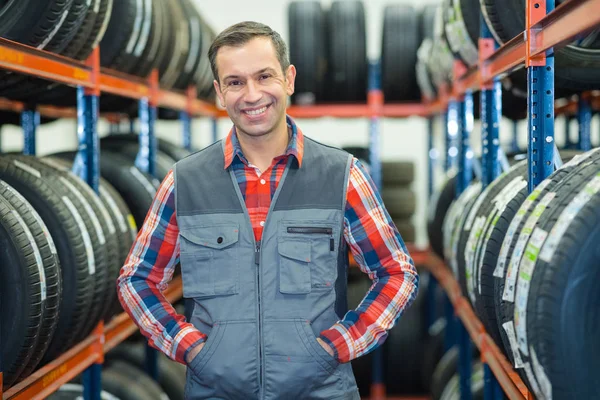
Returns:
(398, 196)
(527, 265)
(64, 257)
(330, 49)
(135, 37)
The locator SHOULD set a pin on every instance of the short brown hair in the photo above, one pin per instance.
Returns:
(240, 34)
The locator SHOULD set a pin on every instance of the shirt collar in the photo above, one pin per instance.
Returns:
(295, 147)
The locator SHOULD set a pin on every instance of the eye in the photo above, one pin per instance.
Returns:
(265, 76)
(233, 83)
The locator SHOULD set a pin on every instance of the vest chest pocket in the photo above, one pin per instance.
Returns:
(209, 260)
(307, 257)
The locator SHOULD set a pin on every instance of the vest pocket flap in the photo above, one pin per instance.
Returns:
(216, 237)
(295, 249)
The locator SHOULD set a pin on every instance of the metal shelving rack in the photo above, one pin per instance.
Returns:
(546, 28)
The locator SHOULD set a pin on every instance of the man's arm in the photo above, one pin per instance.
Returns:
(379, 252)
(146, 273)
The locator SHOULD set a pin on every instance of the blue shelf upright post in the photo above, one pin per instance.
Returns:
(186, 122)
(30, 120)
(432, 156)
(584, 120)
(451, 120)
(491, 117)
(540, 102)
(87, 167)
(450, 124)
(464, 177)
(146, 157)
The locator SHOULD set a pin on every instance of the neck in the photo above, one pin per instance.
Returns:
(260, 150)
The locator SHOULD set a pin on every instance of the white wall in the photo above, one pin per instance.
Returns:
(401, 139)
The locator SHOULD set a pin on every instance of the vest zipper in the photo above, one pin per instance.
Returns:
(260, 347)
(314, 230)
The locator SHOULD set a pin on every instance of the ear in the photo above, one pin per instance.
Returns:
(290, 80)
(219, 93)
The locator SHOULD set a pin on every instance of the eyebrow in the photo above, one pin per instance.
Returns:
(262, 71)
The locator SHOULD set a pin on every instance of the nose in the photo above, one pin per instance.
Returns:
(253, 93)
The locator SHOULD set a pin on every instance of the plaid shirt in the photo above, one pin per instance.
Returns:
(368, 229)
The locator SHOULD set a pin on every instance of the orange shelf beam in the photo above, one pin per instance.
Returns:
(52, 376)
(510, 381)
(28, 60)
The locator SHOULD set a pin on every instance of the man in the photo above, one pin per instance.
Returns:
(261, 224)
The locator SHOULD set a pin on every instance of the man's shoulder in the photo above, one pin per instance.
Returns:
(325, 147)
(209, 151)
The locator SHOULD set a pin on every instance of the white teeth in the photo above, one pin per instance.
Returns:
(257, 112)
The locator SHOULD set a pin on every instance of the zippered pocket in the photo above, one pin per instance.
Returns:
(310, 230)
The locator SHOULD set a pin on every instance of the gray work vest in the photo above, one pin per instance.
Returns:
(263, 304)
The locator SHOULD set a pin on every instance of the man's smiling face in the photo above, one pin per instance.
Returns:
(252, 86)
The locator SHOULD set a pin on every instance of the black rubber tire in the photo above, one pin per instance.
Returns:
(347, 71)
(120, 32)
(194, 55)
(438, 208)
(577, 68)
(358, 285)
(163, 163)
(180, 44)
(21, 291)
(426, 18)
(148, 58)
(104, 225)
(405, 341)
(452, 389)
(51, 270)
(77, 294)
(566, 342)
(74, 391)
(307, 48)
(433, 351)
(85, 31)
(129, 383)
(397, 172)
(399, 45)
(505, 309)
(136, 188)
(406, 228)
(461, 20)
(170, 149)
(171, 375)
(24, 23)
(495, 198)
(66, 186)
(399, 201)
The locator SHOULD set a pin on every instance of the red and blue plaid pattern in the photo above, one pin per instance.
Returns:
(368, 229)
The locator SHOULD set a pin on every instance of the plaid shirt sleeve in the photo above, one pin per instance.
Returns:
(147, 270)
(379, 252)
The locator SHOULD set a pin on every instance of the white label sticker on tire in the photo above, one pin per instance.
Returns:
(509, 328)
(36, 253)
(88, 209)
(540, 375)
(470, 255)
(513, 268)
(514, 225)
(526, 271)
(87, 242)
(567, 216)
